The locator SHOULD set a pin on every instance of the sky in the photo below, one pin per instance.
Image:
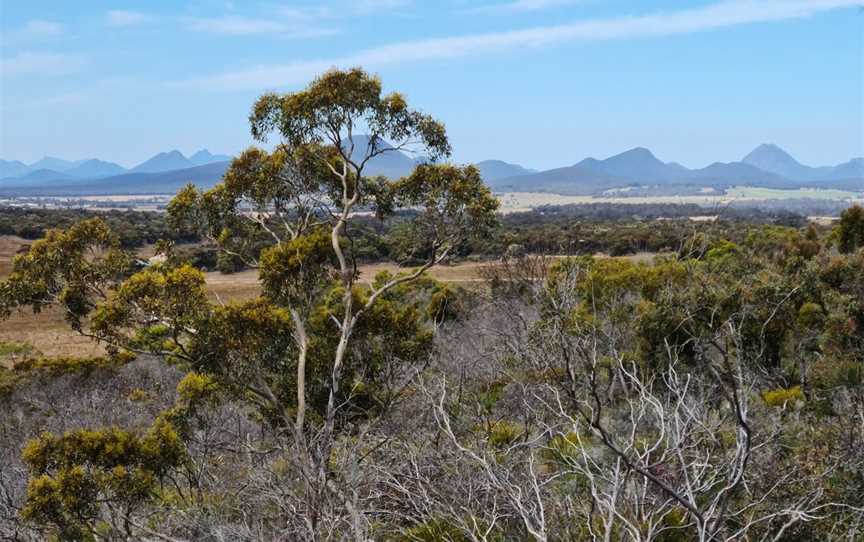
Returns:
(542, 83)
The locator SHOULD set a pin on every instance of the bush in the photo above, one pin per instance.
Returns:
(781, 397)
(504, 433)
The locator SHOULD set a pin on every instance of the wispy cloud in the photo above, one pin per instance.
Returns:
(47, 102)
(123, 18)
(713, 16)
(40, 28)
(242, 26)
(304, 13)
(378, 6)
(519, 6)
(35, 30)
(41, 64)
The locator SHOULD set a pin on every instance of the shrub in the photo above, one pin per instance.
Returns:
(504, 433)
(781, 397)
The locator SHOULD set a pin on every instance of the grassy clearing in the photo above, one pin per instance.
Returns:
(749, 192)
(9, 244)
(48, 333)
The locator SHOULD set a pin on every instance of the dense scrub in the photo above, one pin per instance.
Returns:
(134, 228)
(501, 429)
(713, 394)
(572, 230)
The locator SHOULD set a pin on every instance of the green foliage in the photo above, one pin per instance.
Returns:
(295, 272)
(176, 298)
(77, 474)
(56, 366)
(331, 99)
(783, 397)
(15, 348)
(565, 448)
(434, 530)
(74, 268)
(133, 228)
(850, 229)
(504, 433)
(36, 367)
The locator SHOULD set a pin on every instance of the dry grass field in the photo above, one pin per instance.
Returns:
(48, 333)
(9, 244)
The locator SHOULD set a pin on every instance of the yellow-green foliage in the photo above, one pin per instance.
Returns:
(8, 381)
(675, 527)
(444, 304)
(783, 397)
(15, 349)
(73, 473)
(722, 251)
(197, 388)
(434, 530)
(810, 315)
(504, 433)
(178, 295)
(565, 448)
(61, 268)
(294, 272)
(138, 395)
(55, 366)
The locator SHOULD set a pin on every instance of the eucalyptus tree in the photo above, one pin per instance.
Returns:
(317, 352)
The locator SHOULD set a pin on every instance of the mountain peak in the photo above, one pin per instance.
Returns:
(771, 158)
(769, 152)
(164, 161)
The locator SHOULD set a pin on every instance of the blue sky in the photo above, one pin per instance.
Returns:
(543, 83)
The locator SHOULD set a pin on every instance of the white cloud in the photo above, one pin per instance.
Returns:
(40, 28)
(121, 18)
(34, 30)
(519, 6)
(305, 13)
(713, 16)
(242, 26)
(41, 64)
(47, 102)
(377, 6)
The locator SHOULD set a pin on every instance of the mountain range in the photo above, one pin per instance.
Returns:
(767, 166)
(54, 171)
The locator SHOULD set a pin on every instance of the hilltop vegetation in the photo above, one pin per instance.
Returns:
(712, 394)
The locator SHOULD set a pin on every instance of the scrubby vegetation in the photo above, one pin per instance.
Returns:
(713, 393)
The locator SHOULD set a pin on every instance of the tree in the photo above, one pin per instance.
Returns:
(319, 354)
(850, 229)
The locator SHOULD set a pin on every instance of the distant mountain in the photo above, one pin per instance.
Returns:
(39, 176)
(492, 170)
(94, 169)
(391, 163)
(575, 180)
(737, 173)
(639, 167)
(56, 164)
(771, 158)
(853, 169)
(12, 168)
(766, 166)
(638, 163)
(167, 182)
(205, 157)
(164, 161)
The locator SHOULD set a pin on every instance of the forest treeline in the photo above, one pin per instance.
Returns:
(614, 229)
(713, 393)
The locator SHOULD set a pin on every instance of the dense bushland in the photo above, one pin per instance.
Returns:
(712, 394)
